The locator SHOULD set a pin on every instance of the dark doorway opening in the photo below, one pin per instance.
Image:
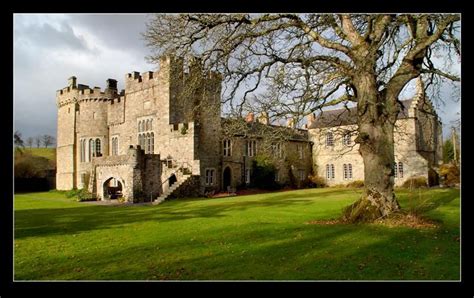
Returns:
(112, 189)
(227, 179)
(172, 180)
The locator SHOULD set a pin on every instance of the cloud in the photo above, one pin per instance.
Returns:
(48, 49)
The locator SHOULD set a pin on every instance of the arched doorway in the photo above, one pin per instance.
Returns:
(172, 180)
(112, 189)
(226, 179)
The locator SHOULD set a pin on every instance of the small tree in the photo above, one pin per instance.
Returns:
(19, 145)
(29, 142)
(37, 140)
(47, 140)
(448, 151)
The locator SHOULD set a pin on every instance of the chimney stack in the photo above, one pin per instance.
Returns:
(111, 85)
(72, 82)
(291, 123)
(263, 118)
(250, 117)
(420, 87)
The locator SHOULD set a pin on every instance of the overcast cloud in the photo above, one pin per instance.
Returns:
(49, 48)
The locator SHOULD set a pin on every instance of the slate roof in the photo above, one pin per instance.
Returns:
(331, 118)
(241, 128)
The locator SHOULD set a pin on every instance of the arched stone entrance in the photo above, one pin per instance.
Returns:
(113, 189)
(227, 178)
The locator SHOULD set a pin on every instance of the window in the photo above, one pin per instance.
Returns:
(301, 175)
(329, 139)
(276, 150)
(277, 175)
(152, 142)
(209, 176)
(330, 171)
(83, 150)
(148, 143)
(247, 176)
(400, 169)
(83, 179)
(141, 141)
(97, 148)
(347, 171)
(299, 147)
(91, 149)
(251, 148)
(346, 139)
(146, 138)
(115, 146)
(227, 147)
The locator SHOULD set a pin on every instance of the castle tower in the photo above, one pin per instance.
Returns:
(66, 136)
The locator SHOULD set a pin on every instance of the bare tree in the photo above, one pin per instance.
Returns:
(47, 140)
(303, 63)
(37, 141)
(29, 142)
(18, 141)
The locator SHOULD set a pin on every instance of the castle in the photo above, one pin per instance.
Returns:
(163, 135)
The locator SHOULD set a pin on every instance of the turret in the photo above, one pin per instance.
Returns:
(72, 82)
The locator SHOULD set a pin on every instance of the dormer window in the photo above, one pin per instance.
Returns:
(346, 139)
(329, 139)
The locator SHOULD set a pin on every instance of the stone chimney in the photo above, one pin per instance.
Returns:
(291, 123)
(72, 82)
(250, 117)
(420, 88)
(111, 85)
(263, 118)
(311, 118)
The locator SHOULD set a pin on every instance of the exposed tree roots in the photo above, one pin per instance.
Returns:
(372, 206)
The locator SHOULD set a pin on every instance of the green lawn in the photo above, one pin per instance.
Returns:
(261, 237)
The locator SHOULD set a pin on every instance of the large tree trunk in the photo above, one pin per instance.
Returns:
(377, 115)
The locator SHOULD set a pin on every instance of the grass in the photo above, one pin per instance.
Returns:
(255, 237)
(49, 153)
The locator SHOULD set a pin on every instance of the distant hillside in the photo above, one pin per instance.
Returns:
(48, 153)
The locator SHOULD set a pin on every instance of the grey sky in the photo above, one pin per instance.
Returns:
(49, 48)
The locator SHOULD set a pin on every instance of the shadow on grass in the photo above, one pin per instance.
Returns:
(59, 221)
(421, 202)
(67, 221)
(305, 252)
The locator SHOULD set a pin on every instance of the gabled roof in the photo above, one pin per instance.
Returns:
(240, 128)
(348, 116)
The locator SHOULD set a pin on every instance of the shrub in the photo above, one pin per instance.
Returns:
(356, 184)
(317, 181)
(449, 174)
(84, 195)
(72, 193)
(263, 173)
(415, 182)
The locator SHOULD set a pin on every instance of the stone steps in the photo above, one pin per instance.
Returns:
(170, 190)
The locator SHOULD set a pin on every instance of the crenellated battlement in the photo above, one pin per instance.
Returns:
(172, 69)
(80, 92)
